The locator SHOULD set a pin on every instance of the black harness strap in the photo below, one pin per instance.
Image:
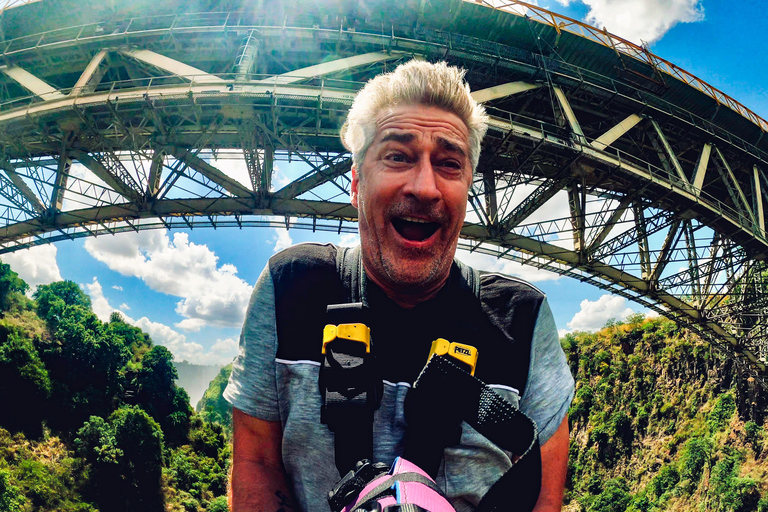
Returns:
(443, 396)
(350, 383)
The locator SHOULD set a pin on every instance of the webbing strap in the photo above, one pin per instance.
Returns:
(387, 486)
(440, 399)
(350, 383)
(350, 269)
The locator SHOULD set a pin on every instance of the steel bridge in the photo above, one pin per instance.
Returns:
(603, 162)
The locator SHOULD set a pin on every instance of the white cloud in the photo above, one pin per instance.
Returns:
(226, 348)
(504, 266)
(211, 295)
(173, 340)
(118, 288)
(222, 352)
(282, 239)
(190, 324)
(36, 265)
(124, 307)
(234, 167)
(279, 179)
(642, 20)
(99, 303)
(349, 240)
(594, 314)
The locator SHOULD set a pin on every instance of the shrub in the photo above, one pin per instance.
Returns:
(664, 481)
(614, 498)
(695, 456)
(742, 495)
(721, 413)
(754, 434)
(218, 505)
(11, 499)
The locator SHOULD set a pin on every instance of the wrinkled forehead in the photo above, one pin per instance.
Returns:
(410, 123)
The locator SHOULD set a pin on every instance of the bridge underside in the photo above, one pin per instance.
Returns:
(180, 122)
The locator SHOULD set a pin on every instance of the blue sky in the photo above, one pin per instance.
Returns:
(189, 289)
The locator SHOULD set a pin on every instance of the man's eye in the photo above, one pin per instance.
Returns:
(397, 157)
(452, 164)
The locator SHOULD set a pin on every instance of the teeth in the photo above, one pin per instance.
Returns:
(414, 219)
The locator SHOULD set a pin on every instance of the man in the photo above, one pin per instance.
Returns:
(415, 138)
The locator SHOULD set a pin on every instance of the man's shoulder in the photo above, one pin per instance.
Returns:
(497, 283)
(509, 284)
(304, 255)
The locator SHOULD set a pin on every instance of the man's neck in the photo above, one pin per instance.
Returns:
(407, 297)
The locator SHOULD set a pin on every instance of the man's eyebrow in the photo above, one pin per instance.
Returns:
(401, 137)
(405, 138)
(451, 146)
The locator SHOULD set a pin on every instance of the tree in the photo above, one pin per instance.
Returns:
(133, 337)
(11, 499)
(84, 363)
(126, 459)
(24, 384)
(50, 297)
(140, 439)
(614, 498)
(158, 394)
(10, 282)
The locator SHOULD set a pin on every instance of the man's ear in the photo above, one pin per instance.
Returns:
(355, 184)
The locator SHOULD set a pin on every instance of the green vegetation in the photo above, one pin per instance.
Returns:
(92, 420)
(661, 422)
(212, 406)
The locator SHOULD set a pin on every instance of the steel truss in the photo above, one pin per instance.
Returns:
(580, 174)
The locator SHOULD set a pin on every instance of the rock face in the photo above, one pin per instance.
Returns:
(195, 378)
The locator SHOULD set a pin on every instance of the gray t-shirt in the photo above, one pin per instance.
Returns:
(274, 389)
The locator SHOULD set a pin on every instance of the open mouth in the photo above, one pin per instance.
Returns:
(414, 230)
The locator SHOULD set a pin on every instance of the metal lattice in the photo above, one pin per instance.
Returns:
(599, 165)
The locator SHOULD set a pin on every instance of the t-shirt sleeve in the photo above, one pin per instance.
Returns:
(252, 386)
(550, 387)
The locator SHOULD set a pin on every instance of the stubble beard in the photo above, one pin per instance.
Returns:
(432, 265)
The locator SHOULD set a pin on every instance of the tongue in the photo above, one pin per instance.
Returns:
(414, 231)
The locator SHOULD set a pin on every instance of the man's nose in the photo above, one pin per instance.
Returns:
(422, 182)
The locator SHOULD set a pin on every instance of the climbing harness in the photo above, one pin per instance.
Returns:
(445, 394)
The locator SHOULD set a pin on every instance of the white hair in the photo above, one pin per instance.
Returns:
(416, 82)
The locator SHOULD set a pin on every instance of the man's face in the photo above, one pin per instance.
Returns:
(411, 195)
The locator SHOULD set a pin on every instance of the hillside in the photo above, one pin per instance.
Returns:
(195, 378)
(212, 406)
(92, 419)
(662, 422)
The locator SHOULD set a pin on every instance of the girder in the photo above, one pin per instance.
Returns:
(142, 123)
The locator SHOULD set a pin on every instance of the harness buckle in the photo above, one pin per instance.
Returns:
(345, 492)
(464, 354)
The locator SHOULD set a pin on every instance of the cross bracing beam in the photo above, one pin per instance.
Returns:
(628, 246)
(503, 91)
(23, 189)
(230, 185)
(91, 75)
(31, 83)
(333, 66)
(173, 66)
